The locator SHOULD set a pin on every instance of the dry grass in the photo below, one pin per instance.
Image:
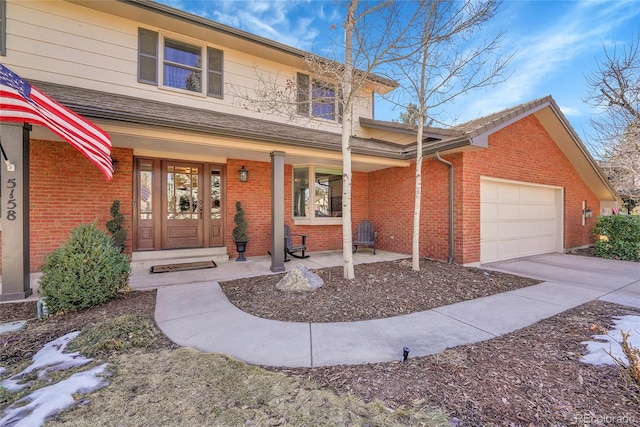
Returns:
(187, 388)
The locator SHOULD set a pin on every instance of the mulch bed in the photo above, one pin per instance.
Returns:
(531, 377)
(17, 346)
(382, 289)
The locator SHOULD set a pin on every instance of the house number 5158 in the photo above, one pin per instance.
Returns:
(11, 203)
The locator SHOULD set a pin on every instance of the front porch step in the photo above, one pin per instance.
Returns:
(147, 259)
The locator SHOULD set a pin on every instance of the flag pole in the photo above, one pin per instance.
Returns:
(10, 166)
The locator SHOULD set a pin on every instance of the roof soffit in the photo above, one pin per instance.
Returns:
(570, 144)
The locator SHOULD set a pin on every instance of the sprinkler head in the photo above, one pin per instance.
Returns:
(405, 353)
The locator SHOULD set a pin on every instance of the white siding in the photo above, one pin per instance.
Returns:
(65, 43)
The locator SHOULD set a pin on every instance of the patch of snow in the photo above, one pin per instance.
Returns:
(34, 409)
(605, 348)
(53, 399)
(50, 358)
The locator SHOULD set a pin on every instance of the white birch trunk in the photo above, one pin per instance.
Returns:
(347, 82)
(415, 258)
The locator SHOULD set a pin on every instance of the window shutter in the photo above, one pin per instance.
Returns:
(214, 72)
(340, 102)
(303, 94)
(3, 28)
(147, 56)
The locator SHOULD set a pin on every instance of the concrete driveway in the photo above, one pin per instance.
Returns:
(608, 280)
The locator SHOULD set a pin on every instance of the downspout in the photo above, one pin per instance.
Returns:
(451, 230)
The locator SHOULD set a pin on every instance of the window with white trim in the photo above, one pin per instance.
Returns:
(318, 99)
(317, 193)
(182, 65)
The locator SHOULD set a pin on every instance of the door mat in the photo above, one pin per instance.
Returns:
(165, 268)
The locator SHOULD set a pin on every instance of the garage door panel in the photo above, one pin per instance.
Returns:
(517, 220)
(489, 211)
(508, 212)
(490, 230)
(490, 248)
(508, 193)
(547, 195)
(547, 227)
(529, 194)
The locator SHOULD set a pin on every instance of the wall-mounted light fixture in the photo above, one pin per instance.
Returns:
(586, 212)
(243, 174)
(114, 162)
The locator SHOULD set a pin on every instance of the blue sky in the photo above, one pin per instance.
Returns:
(556, 44)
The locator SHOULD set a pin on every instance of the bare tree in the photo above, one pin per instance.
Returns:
(445, 65)
(614, 89)
(374, 37)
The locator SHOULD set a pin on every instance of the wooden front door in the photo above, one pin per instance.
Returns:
(183, 205)
(178, 205)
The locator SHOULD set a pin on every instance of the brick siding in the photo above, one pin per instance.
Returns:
(523, 151)
(67, 190)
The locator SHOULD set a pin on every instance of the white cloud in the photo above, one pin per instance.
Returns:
(550, 52)
(294, 23)
(570, 111)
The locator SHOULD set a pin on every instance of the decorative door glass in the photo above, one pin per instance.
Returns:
(182, 192)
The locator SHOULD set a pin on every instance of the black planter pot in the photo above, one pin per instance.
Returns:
(240, 248)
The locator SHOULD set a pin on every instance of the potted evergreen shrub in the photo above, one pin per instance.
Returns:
(114, 225)
(240, 232)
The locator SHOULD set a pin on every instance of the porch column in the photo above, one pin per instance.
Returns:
(277, 211)
(15, 212)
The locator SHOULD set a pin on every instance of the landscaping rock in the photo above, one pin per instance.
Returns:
(300, 279)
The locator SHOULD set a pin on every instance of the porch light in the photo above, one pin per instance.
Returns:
(114, 162)
(587, 212)
(244, 174)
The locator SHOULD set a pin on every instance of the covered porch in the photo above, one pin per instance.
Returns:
(142, 279)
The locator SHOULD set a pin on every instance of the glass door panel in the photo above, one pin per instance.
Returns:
(183, 214)
(215, 203)
(144, 205)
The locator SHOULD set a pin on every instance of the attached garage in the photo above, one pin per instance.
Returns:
(519, 219)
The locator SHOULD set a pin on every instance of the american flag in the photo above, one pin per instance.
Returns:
(21, 102)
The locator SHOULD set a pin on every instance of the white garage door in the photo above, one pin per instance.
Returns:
(518, 219)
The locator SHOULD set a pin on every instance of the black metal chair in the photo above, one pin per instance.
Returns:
(290, 248)
(365, 236)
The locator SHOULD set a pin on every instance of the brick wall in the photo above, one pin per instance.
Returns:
(66, 190)
(395, 188)
(255, 196)
(522, 151)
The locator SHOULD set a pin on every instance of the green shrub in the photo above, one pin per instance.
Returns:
(86, 271)
(114, 225)
(618, 237)
(240, 230)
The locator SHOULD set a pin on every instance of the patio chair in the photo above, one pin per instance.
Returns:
(290, 248)
(365, 236)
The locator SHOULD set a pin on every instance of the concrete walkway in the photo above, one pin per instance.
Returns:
(197, 314)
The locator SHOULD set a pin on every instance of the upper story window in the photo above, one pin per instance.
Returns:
(317, 194)
(318, 99)
(185, 66)
(182, 66)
